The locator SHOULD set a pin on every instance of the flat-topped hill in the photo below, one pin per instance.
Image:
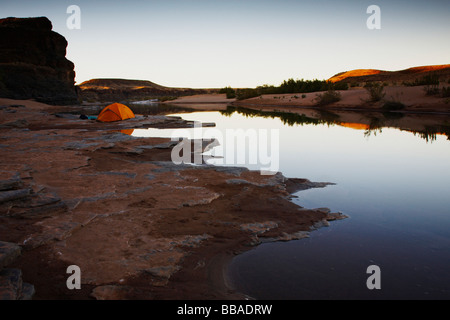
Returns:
(106, 84)
(125, 89)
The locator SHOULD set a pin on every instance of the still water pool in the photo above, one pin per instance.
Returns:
(393, 184)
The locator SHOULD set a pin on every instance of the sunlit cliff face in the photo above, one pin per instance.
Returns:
(367, 72)
(354, 73)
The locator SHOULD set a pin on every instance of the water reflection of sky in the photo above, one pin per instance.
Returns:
(395, 188)
(394, 163)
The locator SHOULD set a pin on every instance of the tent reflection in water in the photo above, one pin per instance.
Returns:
(115, 112)
(127, 131)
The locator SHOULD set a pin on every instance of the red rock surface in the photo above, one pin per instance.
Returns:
(138, 226)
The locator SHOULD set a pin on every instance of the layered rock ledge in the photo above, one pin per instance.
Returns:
(138, 226)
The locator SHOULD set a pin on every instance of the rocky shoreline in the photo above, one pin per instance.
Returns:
(80, 192)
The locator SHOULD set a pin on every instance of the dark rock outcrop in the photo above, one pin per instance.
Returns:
(11, 285)
(17, 200)
(33, 63)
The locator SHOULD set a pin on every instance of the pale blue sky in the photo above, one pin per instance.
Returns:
(243, 43)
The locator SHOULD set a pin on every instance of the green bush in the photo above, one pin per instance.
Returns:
(296, 86)
(266, 89)
(328, 97)
(230, 92)
(340, 86)
(445, 92)
(292, 86)
(393, 105)
(289, 86)
(431, 79)
(431, 90)
(375, 90)
(242, 94)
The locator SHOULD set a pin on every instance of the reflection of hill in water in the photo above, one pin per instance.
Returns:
(372, 123)
(143, 109)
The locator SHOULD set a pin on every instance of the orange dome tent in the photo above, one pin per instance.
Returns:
(115, 112)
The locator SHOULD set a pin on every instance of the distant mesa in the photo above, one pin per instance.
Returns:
(368, 75)
(111, 84)
(354, 73)
(33, 62)
(105, 90)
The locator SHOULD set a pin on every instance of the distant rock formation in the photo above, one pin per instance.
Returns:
(33, 62)
(108, 90)
(411, 74)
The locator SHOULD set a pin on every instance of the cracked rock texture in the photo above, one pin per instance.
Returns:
(79, 192)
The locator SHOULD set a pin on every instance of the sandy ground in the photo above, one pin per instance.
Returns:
(138, 226)
(414, 98)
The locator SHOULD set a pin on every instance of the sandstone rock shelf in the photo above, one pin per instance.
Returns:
(138, 225)
(12, 286)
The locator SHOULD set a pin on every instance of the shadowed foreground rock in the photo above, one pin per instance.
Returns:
(137, 225)
(11, 285)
